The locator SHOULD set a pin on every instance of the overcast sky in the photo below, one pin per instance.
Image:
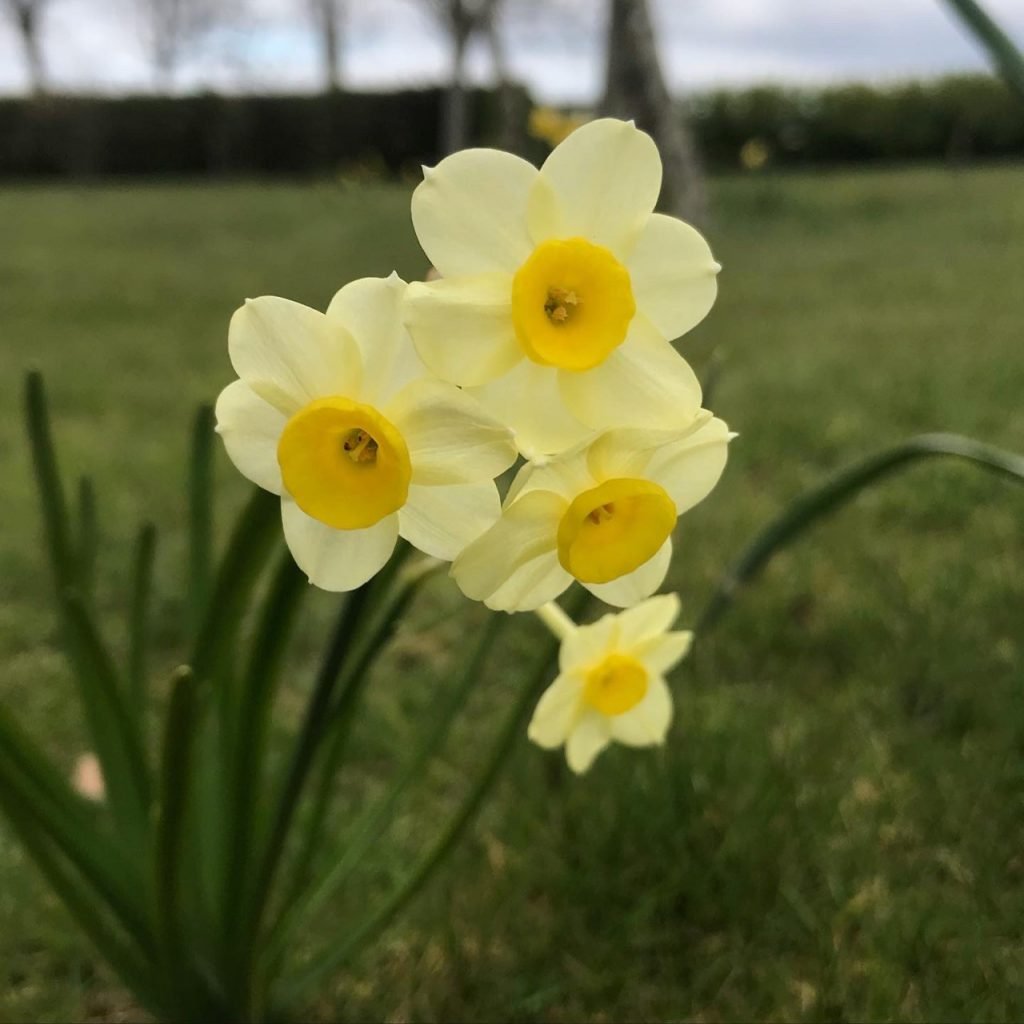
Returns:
(98, 45)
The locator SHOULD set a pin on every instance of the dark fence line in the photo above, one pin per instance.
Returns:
(970, 117)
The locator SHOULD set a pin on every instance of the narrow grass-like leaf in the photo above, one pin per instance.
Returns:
(252, 712)
(122, 952)
(256, 532)
(175, 782)
(1006, 57)
(200, 509)
(113, 727)
(349, 942)
(367, 829)
(51, 492)
(88, 538)
(138, 623)
(840, 488)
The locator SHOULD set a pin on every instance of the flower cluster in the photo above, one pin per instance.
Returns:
(545, 338)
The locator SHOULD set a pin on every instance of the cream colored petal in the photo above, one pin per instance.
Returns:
(370, 309)
(528, 400)
(566, 475)
(649, 619)
(514, 565)
(674, 275)
(290, 354)
(690, 468)
(638, 584)
(643, 383)
(462, 327)
(250, 429)
(627, 452)
(338, 560)
(601, 184)
(451, 440)
(442, 520)
(587, 645)
(660, 654)
(590, 736)
(647, 724)
(556, 712)
(469, 212)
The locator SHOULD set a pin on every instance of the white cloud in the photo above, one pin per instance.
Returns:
(96, 45)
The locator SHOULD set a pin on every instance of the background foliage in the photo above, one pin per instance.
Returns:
(955, 118)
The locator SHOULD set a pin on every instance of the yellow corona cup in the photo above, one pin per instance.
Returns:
(560, 287)
(602, 513)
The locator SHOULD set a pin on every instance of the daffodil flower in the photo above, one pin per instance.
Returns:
(559, 287)
(601, 513)
(611, 682)
(335, 413)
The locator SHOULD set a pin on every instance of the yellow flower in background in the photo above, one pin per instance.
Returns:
(611, 684)
(552, 126)
(560, 287)
(755, 154)
(334, 412)
(602, 513)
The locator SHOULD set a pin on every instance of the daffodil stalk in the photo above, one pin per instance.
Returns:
(372, 431)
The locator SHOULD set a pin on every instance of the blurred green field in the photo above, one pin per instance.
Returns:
(836, 828)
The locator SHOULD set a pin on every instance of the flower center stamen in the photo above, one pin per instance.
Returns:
(560, 305)
(360, 446)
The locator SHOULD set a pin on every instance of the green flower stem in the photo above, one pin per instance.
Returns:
(353, 940)
(138, 623)
(200, 533)
(371, 823)
(840, 488)
(555, 619)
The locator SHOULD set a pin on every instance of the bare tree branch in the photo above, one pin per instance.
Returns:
(327, 19)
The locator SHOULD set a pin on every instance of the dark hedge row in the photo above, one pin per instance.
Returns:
(950, 118)
(209, 134)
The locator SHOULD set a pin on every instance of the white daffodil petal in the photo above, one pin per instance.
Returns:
(638, 584)
(251, 429)
(290, 354)
(674, 275)
(605, 178)
(514, 565)
(650, 618)
(627, 452)
(590, 736)
(647, 724)
(643, 383)
(689, 469)
(338, 560)
(469, 212)
(528, 401)
(370, 309)
(442, 520)
(450, 438)
(660, 654)
(462, 328)
(586, 645)
(556, 712)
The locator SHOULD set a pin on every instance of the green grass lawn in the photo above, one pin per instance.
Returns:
(836, 827)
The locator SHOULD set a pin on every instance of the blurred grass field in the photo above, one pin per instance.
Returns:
(836, 827)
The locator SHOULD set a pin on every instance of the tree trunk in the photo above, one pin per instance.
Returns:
(329, 12)
(26, 14)
(455, 114)
(508, 130)
(635, 88)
